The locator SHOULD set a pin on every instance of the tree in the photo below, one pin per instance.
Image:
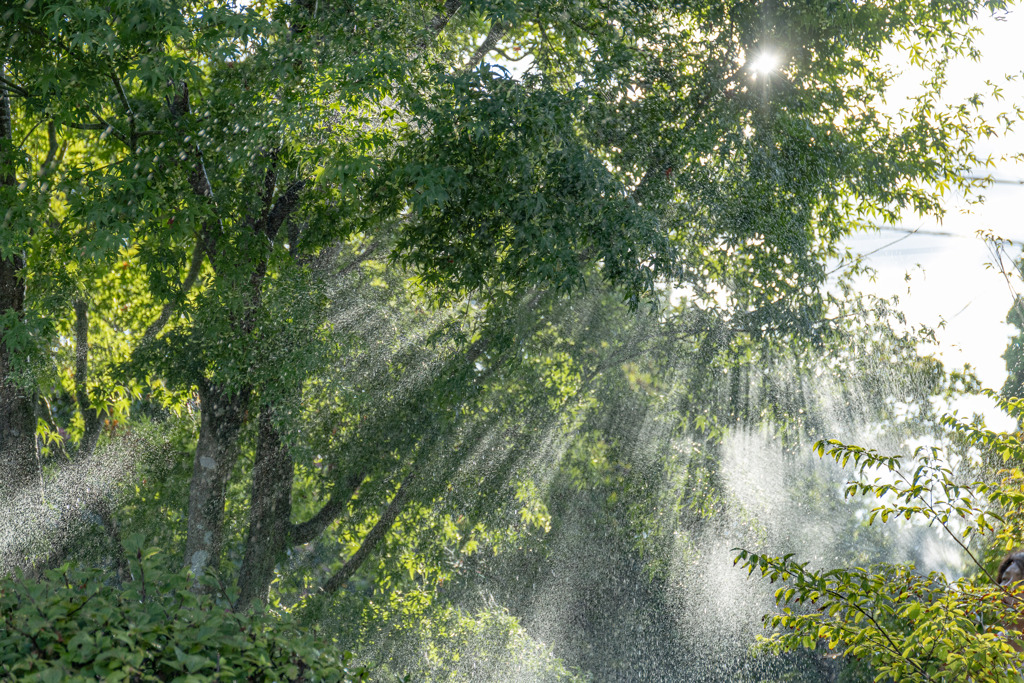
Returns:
(908, 625)
(187, 186)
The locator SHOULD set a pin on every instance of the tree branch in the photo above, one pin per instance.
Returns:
(190, 278)
(497, 30)
(198, 179)
(269, 184)
(283, 207)
(510, 58)
(11, 87)
(46, 412)
(367, 253)
(85, 126)
(51, 134)
(377, 533)
(26, 136)
(81, 354)
(259, 224)
(304, 532)
(53, 158)
(441, 19)
(295, 231)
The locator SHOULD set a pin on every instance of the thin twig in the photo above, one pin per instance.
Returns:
(26, 136)
(895, 648)
(133, 134)
(109, 126)
(844, 264)
(938, 517)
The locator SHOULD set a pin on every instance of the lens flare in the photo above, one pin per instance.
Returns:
(764, 63)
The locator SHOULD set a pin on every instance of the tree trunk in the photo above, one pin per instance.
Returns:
(17, 418)
(18, 467)
(222, 416)
(93, 425)
(269, 513)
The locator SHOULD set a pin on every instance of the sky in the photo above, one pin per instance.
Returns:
(943, 274)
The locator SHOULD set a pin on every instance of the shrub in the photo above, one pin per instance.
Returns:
(77, 625)
(907, 625)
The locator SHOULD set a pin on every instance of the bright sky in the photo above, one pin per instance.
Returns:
(950, 280)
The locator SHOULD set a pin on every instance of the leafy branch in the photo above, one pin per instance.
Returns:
(908, 625)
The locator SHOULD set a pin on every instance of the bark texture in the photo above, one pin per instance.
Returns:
(18, 467)
(270, 513)
(221, 419)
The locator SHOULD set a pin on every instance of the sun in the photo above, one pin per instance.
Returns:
(764, 63)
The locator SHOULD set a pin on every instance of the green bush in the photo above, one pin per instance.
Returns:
(907, 625)
(78, 625)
